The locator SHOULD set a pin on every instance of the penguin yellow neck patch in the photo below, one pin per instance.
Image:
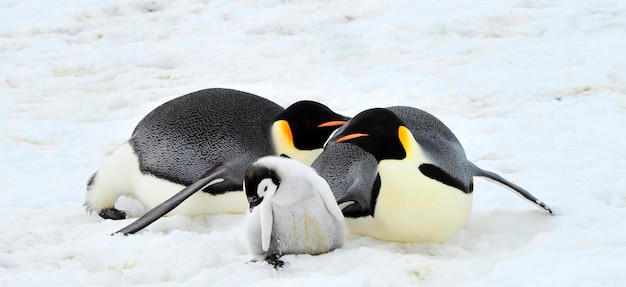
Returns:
(282, 138)
(408, 141)
(281, 129)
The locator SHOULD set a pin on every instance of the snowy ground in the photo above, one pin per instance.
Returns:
(535, 90)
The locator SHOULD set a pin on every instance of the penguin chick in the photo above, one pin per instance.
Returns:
(292, 211)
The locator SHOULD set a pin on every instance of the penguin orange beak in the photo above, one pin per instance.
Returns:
(351, 136)
(331, 124)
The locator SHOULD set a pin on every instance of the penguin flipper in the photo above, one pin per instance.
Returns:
(360, 199)
(434, 172)
(331, 205)
(267, 220)
(168, 205)
(518, 190)
(231, 180)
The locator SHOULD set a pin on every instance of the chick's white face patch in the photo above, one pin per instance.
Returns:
(266, 188)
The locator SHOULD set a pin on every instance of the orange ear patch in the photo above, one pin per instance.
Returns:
(405, 136)
(285, 131)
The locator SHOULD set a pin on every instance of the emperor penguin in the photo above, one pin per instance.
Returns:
(181, 141)
(291, 211)
(200, 141)
(399, 174)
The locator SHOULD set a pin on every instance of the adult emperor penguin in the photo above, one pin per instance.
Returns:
(201, 141)
(292, 210)
(400, 174)
(201, 134)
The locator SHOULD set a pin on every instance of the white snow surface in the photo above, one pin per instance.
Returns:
(535, 90)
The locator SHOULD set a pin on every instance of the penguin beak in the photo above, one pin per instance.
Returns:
(331, 124)
(351, 136)
(254, 201)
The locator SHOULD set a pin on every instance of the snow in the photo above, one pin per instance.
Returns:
(535, 90)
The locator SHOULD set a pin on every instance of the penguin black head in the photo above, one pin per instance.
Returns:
(258, 182)
(309, 124)
(377, 131)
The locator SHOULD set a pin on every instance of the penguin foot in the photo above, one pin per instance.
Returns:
(274, 261)
(112, 213)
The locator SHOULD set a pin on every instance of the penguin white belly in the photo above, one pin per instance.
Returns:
(413, 207)
(121, 175)
(294, 231)
(113, 180)
(152, 191)
(305, 232)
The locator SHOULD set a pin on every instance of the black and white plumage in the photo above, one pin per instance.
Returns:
(181, 141)
(204, 141)
(400, 174)
(292, 210)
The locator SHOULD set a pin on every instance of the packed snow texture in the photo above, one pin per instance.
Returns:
(535, 90)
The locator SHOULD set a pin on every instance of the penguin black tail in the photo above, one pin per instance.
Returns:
(517, 189)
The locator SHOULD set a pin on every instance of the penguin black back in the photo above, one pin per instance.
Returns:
(192, 135)
(437, 141)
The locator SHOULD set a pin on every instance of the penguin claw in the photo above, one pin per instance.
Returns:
(112, 213)
(274, 261)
